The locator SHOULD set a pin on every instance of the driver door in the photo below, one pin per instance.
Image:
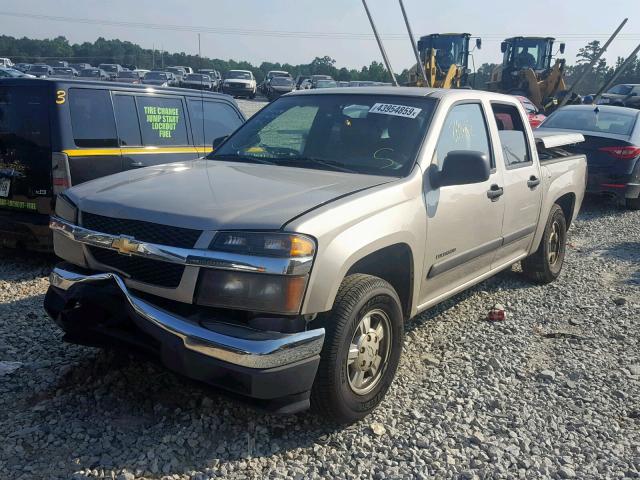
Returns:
(464, 224)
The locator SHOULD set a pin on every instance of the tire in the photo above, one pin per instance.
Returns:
(343, 391)
(633, 203)
(545, 265)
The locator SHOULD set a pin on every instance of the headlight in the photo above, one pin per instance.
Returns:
(283, 245)
(66, 210)
(259, 292)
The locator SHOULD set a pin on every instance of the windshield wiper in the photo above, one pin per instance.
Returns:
(237, 158)
(332, 164)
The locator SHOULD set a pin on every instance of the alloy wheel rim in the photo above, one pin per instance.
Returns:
(554, 244)
(369, 351)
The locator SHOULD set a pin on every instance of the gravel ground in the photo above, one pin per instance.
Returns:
(552, 392)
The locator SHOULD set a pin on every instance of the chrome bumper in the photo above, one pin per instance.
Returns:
(277, 351)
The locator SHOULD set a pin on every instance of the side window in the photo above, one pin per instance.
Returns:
(92, 119)
(512, 134)
(220, 119)
(162, 121)
(127, 120)
(464, 129)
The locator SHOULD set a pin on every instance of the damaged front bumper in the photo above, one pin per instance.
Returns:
(98, 309)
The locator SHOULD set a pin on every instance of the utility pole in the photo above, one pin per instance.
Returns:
(414, 46)
(382, 50)
(593, 62)
(153, 56)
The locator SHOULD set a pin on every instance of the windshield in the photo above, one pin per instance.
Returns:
(326, 84)
(237, 74)
(530, 53)
(109, 68)
(156, 76)
(196, 77)
(283, 81)
(127, 75)
(63, 71)
(10, 72)
(377, 135)
(450, 49)
(621, 90)
(179, 71)
(39, 69)
(90, 73)
(618, 123)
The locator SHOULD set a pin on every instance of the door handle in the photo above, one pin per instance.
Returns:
(137, 164)
(533, 182)
(495, 192)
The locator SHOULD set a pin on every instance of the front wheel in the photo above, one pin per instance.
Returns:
(362, 349)
(545, 264)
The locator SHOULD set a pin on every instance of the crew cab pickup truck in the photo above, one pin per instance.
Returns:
(283, 266)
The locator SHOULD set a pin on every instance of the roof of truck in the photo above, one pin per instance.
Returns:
(463, 93)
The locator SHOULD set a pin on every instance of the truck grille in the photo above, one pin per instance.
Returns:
(145, 270)
(141, 230)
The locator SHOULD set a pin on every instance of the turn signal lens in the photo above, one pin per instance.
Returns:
(302, 247)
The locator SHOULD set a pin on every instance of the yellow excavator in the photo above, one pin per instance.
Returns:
(445, 58)
(526, 70)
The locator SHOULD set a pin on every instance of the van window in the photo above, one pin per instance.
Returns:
(220, 119)
(92, 119)
(127, 120)
(512, 134)
(162, 121)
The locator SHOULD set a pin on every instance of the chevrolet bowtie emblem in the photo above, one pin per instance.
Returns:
(125, 245)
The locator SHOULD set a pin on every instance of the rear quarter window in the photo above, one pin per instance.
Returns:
(219, 119)
(162, 121)
(92, 120)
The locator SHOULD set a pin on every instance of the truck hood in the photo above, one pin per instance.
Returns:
(216, 195)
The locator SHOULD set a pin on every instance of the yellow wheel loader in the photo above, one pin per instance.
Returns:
(526, 70)
(446, 60)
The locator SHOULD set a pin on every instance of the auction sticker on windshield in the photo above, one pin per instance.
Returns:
(396, 110)
(5, 184)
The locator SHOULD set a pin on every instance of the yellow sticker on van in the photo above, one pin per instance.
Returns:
(61, 97)
(162, 120)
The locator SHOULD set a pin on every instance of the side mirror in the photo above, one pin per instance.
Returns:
(562, 47)
(219, 141)
(504, 46)
(461, 167)
(479, 43)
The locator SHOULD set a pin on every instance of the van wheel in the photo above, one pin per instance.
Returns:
(633, 203)
(545, 264)
(362, 348)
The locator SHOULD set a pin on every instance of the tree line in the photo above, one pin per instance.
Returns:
(128, 53)
(29, 50)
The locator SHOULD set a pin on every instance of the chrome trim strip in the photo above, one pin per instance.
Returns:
(246, 352)
(195, 257)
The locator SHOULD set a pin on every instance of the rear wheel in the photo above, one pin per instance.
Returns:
(545, 264)
(633, 203)
(362, 348)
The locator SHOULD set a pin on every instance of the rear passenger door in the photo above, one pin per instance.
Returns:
(521, 182)
(94, 134)
(210, 120)
(152, 130)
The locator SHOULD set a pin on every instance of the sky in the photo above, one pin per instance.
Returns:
(296, 31)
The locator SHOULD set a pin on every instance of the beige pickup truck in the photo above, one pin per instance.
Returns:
(284, 265)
